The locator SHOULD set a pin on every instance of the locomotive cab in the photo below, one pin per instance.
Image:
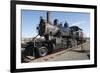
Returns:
(77, 34)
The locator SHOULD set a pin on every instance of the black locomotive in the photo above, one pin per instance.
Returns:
(55, 36)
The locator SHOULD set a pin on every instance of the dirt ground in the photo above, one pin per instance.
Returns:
(81, 52)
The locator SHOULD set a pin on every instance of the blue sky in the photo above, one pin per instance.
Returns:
(30, 20)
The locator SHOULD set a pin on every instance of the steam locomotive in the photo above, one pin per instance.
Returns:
(55, 37)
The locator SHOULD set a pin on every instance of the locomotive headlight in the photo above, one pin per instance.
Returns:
(41, 29)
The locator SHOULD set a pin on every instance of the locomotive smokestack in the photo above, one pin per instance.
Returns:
(48, 16)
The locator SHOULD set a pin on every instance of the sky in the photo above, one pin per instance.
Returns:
(30, 20)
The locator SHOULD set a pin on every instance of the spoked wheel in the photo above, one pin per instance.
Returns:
(42, 51)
